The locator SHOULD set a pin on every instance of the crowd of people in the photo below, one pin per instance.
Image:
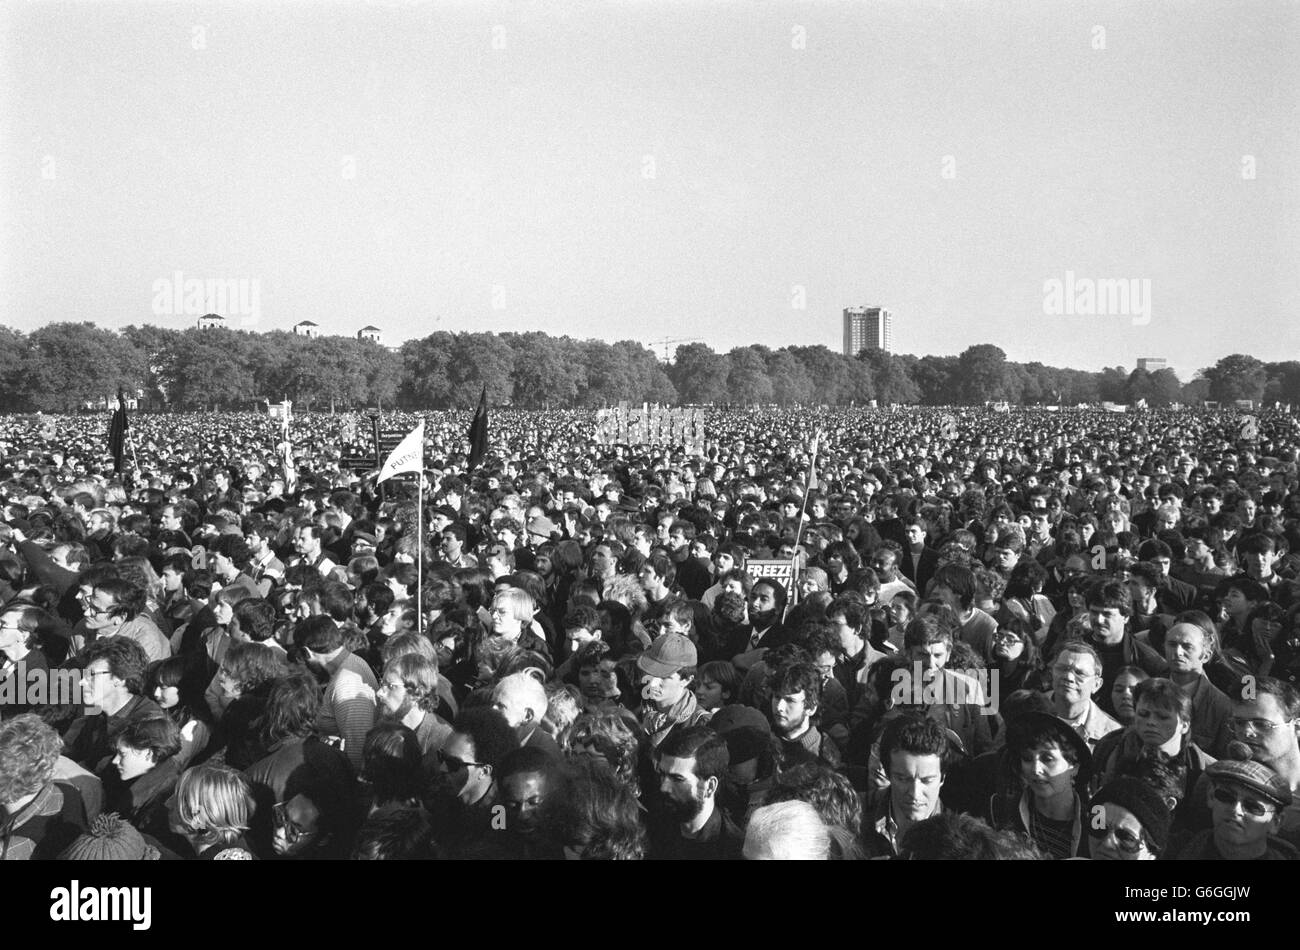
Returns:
(1004, 635)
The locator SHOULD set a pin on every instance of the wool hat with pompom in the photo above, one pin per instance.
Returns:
(110, 839)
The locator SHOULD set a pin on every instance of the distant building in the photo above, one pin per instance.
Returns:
(868, 328)
(306, 328)
(1152, 363)
(212, 321)
(368, 333)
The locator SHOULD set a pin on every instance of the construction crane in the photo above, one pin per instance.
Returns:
(674, 343)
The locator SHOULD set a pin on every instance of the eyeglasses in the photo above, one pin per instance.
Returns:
(1252, 806)
(1261, 727)
(1005, 636)
(96, 611)
(292, 832)
(90, 676)
(454, 764)
(1127, 841)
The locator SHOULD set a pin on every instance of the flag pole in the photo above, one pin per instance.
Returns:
(135, 461)
(798, 536)
(409, 457)
(419, 550)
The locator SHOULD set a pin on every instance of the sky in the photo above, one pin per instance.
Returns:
(729, 172)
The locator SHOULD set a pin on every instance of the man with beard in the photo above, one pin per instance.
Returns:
(307, 542)
(685, 821)
(408, 694)
(465, 789)
(766, 606)
(266, 569)
(452, 547)
(101, 531)
(693, 573)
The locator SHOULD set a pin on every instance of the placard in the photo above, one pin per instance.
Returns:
(773, 569)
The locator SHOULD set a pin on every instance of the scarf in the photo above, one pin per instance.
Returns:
(656, 722)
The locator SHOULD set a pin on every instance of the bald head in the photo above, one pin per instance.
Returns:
(521, 699)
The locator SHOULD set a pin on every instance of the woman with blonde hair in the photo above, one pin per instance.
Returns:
(212, 810)
(511, 618)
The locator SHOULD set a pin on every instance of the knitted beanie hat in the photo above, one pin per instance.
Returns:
(1145, 804)
(109, 839)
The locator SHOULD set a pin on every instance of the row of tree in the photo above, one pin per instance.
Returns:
(60, 366)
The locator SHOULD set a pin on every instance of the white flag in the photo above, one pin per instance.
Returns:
(407, 457)
(290, 472)
(812, 462)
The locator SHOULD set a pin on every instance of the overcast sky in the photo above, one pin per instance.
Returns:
(733, 172)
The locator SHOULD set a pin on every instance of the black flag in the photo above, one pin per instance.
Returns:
(478, 438)
(117, 433)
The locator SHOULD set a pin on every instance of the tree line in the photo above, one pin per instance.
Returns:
(62, 366)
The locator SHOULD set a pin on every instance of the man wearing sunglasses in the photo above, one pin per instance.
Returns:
(465, 786)
(1246, 801)
(1128, 821)
(1266, 724)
